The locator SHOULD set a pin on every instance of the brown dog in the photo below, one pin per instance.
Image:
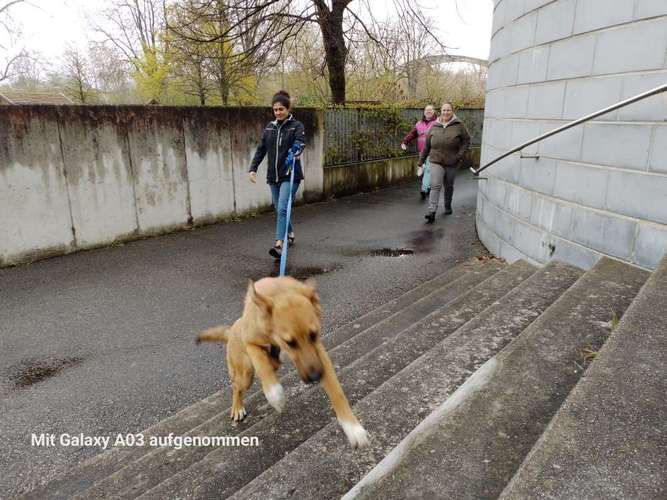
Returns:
(281, 314)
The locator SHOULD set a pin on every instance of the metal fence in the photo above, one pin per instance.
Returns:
(354, 135)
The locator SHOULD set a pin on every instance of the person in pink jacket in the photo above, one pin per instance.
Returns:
(419, 131)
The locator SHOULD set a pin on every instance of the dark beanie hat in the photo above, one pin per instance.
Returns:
(282, 97)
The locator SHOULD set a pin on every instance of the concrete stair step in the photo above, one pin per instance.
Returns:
(479, 440)
(388, 319)
(225, 470)
(105, 464)
(608, 439)
(323, 468)
(160, 464)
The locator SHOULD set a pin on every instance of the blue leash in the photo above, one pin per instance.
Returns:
(283, 256)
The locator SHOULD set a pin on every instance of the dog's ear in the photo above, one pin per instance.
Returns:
(311, 283)
(264, 303)
(311, 292)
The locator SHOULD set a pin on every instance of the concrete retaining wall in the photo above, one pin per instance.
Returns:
(76, 177)
(597, 189)
(348, 179)
(366, 176)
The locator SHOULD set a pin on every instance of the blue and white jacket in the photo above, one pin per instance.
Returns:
(277, 139)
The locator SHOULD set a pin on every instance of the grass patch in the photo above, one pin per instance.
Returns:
(589, 352)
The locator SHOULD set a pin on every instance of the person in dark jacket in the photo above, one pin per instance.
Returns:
(283, 139)
(446, 144)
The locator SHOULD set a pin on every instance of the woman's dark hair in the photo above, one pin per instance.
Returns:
(282, 97)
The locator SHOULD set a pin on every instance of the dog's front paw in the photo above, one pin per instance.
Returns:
(276, 397)
(356, 434)
(238, 414)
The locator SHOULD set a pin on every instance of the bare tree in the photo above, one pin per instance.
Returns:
(415, 42)
(189, 67)
(133, 27)
(8, 67)
(462, 83)
(189, 63)
(308, 61)
(282, 20)
(78, 76)
(330, 21)
(27, 73)
(301, 68)
(110, 74)
(136, 29)
(10, 58)
(202, 27)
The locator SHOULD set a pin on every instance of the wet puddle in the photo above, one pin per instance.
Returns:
(33, 371)
(300, 273)
(391, 252)
(424, 241)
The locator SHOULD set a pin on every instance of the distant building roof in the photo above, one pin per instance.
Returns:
(16, 97)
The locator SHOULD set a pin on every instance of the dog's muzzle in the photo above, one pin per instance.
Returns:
(313, 376)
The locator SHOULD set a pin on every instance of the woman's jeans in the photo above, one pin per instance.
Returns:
(426, 177)
(280, 194)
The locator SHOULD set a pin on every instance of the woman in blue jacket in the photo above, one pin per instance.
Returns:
(282, 139)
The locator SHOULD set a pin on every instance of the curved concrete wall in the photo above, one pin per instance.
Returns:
(599, 188)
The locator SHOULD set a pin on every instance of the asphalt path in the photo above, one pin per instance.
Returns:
(101, 342)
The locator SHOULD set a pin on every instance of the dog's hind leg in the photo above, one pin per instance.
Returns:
(356, 434)
(273, 391)
(241, 374)
(238, 411)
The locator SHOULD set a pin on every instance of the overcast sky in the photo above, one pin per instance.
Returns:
(49, 25)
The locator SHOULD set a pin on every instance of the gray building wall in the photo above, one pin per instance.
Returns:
(599, 188)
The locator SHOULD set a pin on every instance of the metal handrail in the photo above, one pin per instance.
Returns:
(639, 97)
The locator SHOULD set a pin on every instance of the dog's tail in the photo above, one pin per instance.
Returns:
(216, 334)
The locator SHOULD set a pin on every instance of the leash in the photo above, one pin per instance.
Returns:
(283, 255)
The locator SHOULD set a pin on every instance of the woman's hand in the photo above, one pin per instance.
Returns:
(253, 177)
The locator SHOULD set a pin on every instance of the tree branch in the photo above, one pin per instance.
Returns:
(5, 7)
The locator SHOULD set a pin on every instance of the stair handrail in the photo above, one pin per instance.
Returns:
(608, 109)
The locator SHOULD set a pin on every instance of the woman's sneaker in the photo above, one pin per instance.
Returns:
(430, 217)
(276, 252)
